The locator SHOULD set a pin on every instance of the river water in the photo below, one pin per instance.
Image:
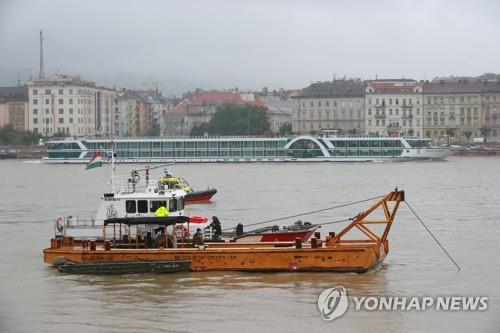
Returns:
(458, 199)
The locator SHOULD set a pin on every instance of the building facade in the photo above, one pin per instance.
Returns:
(490, 103)
(453, 110)
(394, 108)
(196, 110)
(336, 105)
(279, 106)
(14, 107)
(66, 104)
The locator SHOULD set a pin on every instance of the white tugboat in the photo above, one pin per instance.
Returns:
(131, 198)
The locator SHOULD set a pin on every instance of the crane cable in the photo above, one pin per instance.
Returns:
(312, 212)
(434, 237)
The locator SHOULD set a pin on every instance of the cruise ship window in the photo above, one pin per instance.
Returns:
(180, 203)
(130, 206)
(142, 206)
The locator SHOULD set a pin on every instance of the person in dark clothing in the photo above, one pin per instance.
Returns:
(198, 238)
(239, 229)
(216, 228)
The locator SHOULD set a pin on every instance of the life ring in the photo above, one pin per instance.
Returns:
(181, 231)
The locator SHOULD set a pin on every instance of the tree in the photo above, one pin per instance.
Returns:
(59, 134)
(231, 119)
(153, 130)
(468, 134)
(411, 132)
(428, 134)
(285, 129)
(485, 131)
(8, 135)
(450, 132)
(353, 131)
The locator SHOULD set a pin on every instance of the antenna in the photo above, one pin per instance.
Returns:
(41, 75)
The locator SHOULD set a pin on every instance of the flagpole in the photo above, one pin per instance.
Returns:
(112, 167)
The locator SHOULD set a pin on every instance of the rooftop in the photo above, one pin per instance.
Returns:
(12, 94)
(443, 87)
(401, 86)
(61, 79)
(337, 88)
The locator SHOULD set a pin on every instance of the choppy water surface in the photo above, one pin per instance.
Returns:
(459, 200)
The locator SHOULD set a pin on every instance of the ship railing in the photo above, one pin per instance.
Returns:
(123, 185)
(79, 221)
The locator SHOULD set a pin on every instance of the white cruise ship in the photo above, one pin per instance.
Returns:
(246, 149)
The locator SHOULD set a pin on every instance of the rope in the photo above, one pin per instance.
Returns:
(434, 237)
(312, 212)
(333, 222)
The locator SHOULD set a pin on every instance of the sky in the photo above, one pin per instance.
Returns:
(208, 44)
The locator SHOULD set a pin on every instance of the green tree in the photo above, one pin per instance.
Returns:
(9, 136)
(468, 134)
(153, 130)
(485, 131)
(450, 133)
(353, 131)
(230, 119)
(411, 132)
(428, 134)
(285, 129)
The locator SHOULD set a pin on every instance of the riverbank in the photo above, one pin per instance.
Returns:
(25, 152)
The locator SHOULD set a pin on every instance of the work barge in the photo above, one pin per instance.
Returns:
(359, 247)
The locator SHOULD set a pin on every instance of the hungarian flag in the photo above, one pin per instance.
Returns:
(95, 162)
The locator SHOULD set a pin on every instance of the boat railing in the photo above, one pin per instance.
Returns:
(122, 184)
(79, 221)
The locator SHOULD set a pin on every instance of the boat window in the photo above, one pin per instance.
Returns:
(155, 204)
(130, 206)
(172, 205)
(142, 206)
(180, 204)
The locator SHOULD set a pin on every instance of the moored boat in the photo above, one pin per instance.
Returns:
(299, 230)
(192, 196)
(338, 252)
(302, 148)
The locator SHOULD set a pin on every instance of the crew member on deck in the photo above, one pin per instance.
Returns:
(198, 238)
(216, 228)
(161, 212)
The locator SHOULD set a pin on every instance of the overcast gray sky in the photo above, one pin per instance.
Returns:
(247, 44)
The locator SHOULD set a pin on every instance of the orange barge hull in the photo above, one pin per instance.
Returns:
(355, 257)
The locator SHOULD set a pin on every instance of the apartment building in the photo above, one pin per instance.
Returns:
(14, 107)
(453, 109)
(67, 104)
(394, 108)
(334, 105)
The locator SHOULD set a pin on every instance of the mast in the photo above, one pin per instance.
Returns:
(41, 75)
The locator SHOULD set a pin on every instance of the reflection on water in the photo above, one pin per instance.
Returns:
(458, 200)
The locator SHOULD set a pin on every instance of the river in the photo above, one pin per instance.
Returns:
(459, 200)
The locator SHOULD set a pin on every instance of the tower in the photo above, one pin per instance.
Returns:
(41, 75)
